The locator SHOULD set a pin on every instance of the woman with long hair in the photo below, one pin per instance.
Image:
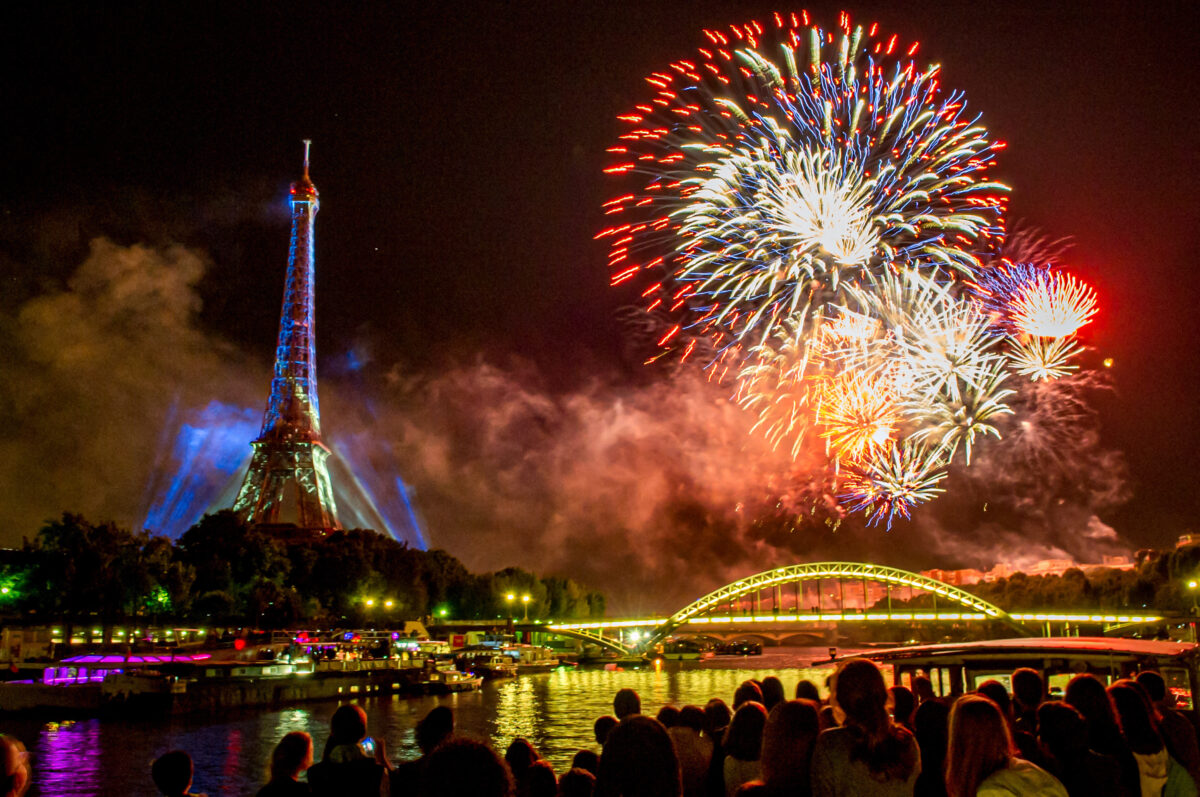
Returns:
(1159, 774)
(291, 757)
(1085, 693)
(743, 746)
(981, 759)
(639, 761)
(869, 754)
(931, 724)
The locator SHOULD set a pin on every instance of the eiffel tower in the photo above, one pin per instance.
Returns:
(287, 482)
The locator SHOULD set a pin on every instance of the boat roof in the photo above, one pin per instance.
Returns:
(116, 661)
(1037, 647)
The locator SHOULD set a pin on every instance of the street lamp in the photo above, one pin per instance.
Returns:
(370, 602)
(1192, 585)
(509, 598)
(525, 600)
(388, 603)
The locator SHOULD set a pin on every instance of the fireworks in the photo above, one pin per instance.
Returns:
(1053, 306)
(812, 211)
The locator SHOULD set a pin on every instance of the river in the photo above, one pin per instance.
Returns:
(552, 710)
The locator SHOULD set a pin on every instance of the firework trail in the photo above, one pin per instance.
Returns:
(811, 211)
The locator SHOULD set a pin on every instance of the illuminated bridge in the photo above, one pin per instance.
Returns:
(811, 599)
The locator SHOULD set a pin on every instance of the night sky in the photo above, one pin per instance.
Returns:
(458, 151)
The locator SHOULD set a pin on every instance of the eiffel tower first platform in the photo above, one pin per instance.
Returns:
(287, 482)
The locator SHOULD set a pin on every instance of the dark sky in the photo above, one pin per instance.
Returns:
(458, 151)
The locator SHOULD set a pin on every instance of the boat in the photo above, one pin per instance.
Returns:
(449, 679)
(741, 647)
(681, 650)
(532, 658)
(956, 668)
(487, 663)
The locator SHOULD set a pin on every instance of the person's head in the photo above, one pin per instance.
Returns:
(980, 744)
(861, 697)
(347, 726)
(772, 692)
(931, 725)
(744, 737)
(923, 689)
(1155, 686)
(828, 718)
(1061, 731)
(1028, 689)
(716, 717)
(1136, 717)
(602, 727)
(1086, 693)
(788, 739)
(540, 780)
(626, 703)
(291, 756)
(586, 759)
(577, 782)
(692, 717)
(520, 756)
(903, 704)
(462, 767)
(807, 690)
(14, 767)
(749, 691)
(172, 773)
(860, 694)
(668, 716)
(994, 691)
(639, 761)
(434, 727)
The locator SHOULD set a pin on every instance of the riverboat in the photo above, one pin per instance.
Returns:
(448, 679)
(955, 668)
(487, 664)
(532, 658)
(681, 650)
(119, 684)
(740, 647)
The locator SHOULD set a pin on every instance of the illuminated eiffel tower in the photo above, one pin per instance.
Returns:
(287, 481)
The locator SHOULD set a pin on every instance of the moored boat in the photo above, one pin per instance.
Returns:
(446, 679)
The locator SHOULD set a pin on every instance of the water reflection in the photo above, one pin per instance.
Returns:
(68, 753)
(554, 711)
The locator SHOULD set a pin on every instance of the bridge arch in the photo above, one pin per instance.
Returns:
(815, 571)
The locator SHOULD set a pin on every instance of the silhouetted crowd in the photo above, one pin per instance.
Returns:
(1126, 740)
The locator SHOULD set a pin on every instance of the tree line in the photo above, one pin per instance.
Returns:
(1159, 581)
(223, 572)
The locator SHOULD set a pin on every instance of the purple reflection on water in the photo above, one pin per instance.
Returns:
(67, 754)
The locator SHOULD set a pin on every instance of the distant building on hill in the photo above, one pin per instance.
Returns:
(1046, 567)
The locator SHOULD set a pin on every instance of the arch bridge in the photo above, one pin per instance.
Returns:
(806, 595)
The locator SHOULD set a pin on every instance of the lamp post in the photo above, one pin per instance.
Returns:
(509, 598)
(525, 600)
(1192, 586)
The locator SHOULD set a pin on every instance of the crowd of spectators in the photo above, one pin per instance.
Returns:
(1125, 740)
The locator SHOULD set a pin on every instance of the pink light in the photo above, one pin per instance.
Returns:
(96, 659)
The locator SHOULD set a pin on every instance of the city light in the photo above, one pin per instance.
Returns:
(389, 603)
(370, 602)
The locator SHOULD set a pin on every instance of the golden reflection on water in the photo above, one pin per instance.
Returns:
(555, 711)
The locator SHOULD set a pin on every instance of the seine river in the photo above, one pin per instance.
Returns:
(553, 710)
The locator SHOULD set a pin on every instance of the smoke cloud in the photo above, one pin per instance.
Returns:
(655, 492)
(93, 370)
